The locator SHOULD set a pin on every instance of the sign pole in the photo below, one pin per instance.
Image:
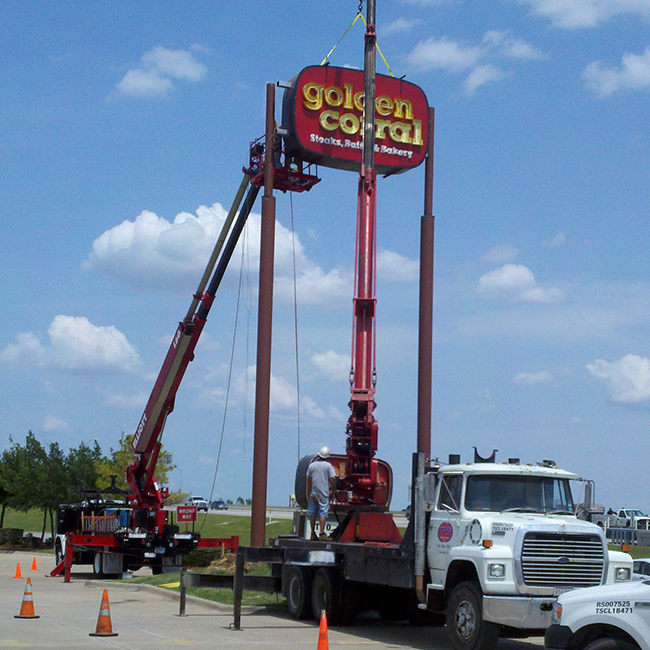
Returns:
(264, 329)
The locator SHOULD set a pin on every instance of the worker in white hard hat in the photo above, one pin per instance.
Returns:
(320, 481)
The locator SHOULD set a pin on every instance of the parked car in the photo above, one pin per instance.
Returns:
(641, 569)
(200, 502)
(219, 504)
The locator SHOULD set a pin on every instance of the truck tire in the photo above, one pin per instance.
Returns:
(611, 644)
(296, 586)
(98, 569)
(465, 625)
(326, 595)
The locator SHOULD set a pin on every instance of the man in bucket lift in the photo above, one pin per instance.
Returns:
(320, 481)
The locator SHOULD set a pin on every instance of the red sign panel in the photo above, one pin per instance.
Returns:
(445, 531)
(323, 113)
(185, 514)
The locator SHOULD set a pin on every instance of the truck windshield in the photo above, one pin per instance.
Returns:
(493, 493)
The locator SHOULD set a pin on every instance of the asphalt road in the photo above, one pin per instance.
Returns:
(146, 618)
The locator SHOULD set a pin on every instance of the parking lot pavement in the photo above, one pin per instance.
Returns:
(147, 617)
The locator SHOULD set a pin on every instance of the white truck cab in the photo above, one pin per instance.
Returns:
(612, 617)
(502, 543)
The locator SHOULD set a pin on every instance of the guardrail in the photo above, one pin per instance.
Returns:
(628, 536)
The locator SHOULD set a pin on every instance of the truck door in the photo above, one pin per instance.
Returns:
(444, 526)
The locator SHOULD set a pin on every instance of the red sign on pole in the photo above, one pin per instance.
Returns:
(323, 113)
(185, 514)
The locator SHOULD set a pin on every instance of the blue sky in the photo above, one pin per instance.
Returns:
(123, 133)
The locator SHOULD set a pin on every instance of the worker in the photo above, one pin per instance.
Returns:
(320, 481)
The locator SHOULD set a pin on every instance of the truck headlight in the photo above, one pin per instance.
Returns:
(496, 570)
(622, 573)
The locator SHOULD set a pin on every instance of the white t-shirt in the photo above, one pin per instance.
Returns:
(320, 472)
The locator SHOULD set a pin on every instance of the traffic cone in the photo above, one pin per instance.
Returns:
(27, 607)
(34, 565)
(323, 643)
(104, 627)
(18, 573)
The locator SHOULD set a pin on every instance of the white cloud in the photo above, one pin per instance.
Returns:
(501, 254)
(572, 14)
(74, 344)
(633, 74)
(331, 364)
(502, 43)
(515, 283)
(400, 26)
(627, 380)
(533, 378)
(444, 54)
(557, 241)
(397, 268)
(478, 61)
(157, 70)
(153, 253)
(54, 424)
(482, 75)
(127, 401)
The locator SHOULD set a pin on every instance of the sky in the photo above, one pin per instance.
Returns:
(124, 128)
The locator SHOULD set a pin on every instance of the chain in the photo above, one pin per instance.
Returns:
(360, 8)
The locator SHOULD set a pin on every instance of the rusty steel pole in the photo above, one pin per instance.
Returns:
(264, 327)
(425, 343)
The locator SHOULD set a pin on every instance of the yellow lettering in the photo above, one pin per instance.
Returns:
(358, 101)
(312, 95)
(333, 96)
(417, 132)
(384, 105)
(400, 132)
(349, 123)
(380, 129)
(403, 109)
(324, 118)
(347, 103)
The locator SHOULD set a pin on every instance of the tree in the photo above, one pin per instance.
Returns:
(122, 457)
(23, 472)
(31, 477)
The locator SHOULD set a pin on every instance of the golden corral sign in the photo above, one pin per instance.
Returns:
(323, 113)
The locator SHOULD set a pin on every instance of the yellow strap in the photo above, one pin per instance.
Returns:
(383, 58)
(324, 61)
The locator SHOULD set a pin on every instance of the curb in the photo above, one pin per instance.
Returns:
(169, 595)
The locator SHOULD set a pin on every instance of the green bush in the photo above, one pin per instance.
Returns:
(11, 536)
(202, 557)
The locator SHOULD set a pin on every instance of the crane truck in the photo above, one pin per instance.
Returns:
(133, 529)
(489, 546)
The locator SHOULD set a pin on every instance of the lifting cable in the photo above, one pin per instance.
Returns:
(359, 15)
(230, 369)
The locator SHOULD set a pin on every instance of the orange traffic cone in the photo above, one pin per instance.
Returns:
(27, 608)
(34, 565)
(323, 643)
(18, 573)
(104, 627)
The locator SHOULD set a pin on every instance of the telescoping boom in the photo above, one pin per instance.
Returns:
(146, 443)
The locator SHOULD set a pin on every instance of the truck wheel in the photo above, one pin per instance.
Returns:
(325, 595)
(296, 585)
(98, 569)
(465, 625)
(610, 644)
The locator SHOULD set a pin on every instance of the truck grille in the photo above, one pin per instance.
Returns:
(561, 560)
